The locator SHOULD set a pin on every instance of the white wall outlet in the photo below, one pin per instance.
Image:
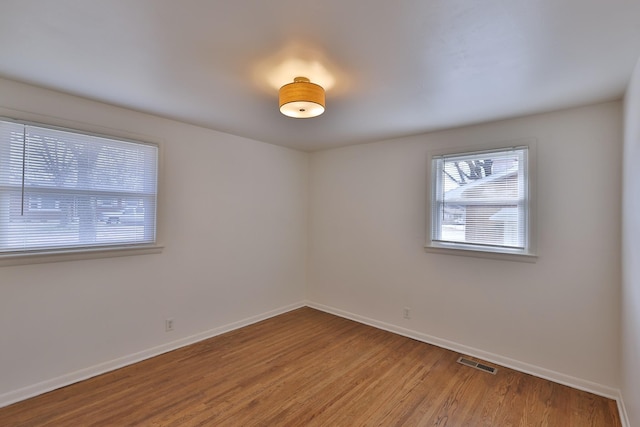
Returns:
(406, 313)
(168, 325)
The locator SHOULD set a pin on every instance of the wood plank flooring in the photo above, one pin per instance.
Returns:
(309, 368)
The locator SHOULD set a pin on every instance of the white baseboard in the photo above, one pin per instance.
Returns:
(577, 383)
(624, 418)
(83, 374)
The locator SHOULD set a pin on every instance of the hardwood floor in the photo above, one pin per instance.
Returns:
(309, 368)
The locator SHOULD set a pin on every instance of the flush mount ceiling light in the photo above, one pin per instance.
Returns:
(301, 99)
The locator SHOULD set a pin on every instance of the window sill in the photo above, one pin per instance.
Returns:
(479, 253)
(76, 254)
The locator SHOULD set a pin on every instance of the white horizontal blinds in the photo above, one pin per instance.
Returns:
(481, 199)
(64, 190)
(11, 165)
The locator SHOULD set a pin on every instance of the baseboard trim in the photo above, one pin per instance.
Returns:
(86, 373)
(577, 383)
(622, 410)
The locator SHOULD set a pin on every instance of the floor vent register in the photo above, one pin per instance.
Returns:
(481, 366)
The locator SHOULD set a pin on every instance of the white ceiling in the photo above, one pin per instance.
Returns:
(392, 68)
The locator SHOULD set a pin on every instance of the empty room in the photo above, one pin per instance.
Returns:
(320, 213)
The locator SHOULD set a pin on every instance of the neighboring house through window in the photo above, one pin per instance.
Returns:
(481, 201)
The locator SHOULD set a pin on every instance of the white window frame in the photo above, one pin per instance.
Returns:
(88, 252)
(528, 254)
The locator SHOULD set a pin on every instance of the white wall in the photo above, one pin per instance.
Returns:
(559, 315)
(631, 253)
(233, 221)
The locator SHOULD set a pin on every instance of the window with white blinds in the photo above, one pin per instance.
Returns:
(63, 190)
(480, 201)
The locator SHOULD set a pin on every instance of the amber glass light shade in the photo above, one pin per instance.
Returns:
(301, 99)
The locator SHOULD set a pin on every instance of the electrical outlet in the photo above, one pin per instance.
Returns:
(406, 313)
(168, 325)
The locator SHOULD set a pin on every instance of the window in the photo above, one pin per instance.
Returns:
(481, 202)
(62, 190)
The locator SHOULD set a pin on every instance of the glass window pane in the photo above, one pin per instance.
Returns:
(61, 190)
(481, 199)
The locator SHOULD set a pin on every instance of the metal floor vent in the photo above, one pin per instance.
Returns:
(468, 362)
